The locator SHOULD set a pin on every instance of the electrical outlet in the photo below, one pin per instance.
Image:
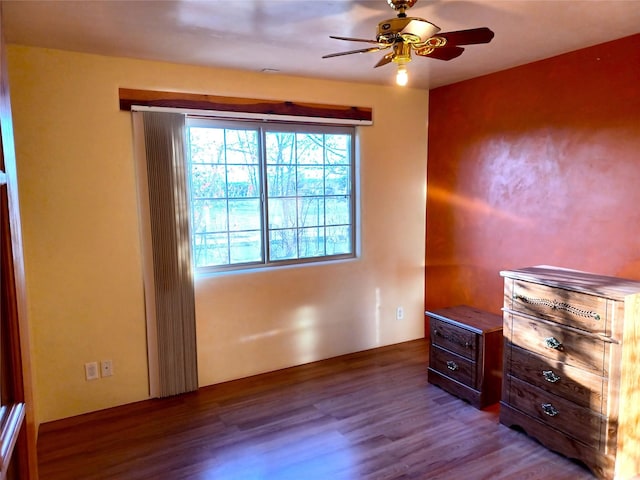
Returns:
(399, 313)
(91, 371)
(107, 368)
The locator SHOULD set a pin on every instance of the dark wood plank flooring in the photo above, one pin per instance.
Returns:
(369, 415)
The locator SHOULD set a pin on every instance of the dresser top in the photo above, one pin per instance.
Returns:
(576, 280)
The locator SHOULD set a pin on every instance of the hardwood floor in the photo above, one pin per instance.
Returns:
(369, 415)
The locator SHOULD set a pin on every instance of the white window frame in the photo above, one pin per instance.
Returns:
(264, 127)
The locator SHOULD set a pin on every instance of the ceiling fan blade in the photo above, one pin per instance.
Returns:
(419, 29)
(440, 53)
(351, 39)
(362, 50)
(468, 37)
(384, 60)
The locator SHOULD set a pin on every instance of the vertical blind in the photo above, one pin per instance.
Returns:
(169, 288)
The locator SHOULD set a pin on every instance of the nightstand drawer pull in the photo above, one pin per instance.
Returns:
(550, 376)
(549, 409)
(552, 342)
(451, 365)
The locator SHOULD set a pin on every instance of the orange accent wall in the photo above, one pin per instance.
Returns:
(539, 164)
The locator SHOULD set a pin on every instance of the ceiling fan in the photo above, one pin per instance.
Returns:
(404, 35)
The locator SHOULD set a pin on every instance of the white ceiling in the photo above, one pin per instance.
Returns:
(291, 36)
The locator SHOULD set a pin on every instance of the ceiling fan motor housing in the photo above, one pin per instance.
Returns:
(407, 29)
(401, 5)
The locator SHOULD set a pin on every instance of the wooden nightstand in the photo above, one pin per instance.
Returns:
(465, 354)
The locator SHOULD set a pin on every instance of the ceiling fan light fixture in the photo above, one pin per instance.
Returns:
(402, 56)
(402, 76)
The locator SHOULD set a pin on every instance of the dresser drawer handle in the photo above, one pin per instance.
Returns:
(451, 365)
(557, 305)
(550, 376)
(552, 342)
(549, 409)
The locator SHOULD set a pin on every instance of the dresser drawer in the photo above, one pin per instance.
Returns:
(453, 366)
(454, 338)
(558, 343)
(579, 422)
(586, 312)
(576, 385)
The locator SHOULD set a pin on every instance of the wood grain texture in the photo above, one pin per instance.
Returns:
(585, 282)
(581, 387)
(575, 348)
(567, 417)
(600, 429)
(454, 338)
(150, 98)
(476, 335)
(369, 415)
(587, 312)
(453, 366)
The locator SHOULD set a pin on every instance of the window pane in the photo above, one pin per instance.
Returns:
(282, 213)
(209, 216)
(337, 181)
(243, 181)
(283, 244)
(310, 148)
(338, 148)
(211, 249)
(310, 181)
(311, 242)
(245, 247)
(281, 181)
(279, 147)
(242, 146)
(244, 215)
(339, 240)
(208, 181)
(311, 211)
(338, 211)
(207, 145)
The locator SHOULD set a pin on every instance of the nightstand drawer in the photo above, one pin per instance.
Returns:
(454, 338)
(582, 388)
(453, 366)
(578, 310)
(561, 414)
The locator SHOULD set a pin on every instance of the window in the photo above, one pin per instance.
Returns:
(267, 194)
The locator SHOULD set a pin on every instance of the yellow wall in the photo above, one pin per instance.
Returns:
(82, 245)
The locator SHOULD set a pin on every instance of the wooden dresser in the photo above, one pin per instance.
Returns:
(572, 365)
(465, 355)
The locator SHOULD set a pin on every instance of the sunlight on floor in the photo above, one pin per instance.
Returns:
(316, 457)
